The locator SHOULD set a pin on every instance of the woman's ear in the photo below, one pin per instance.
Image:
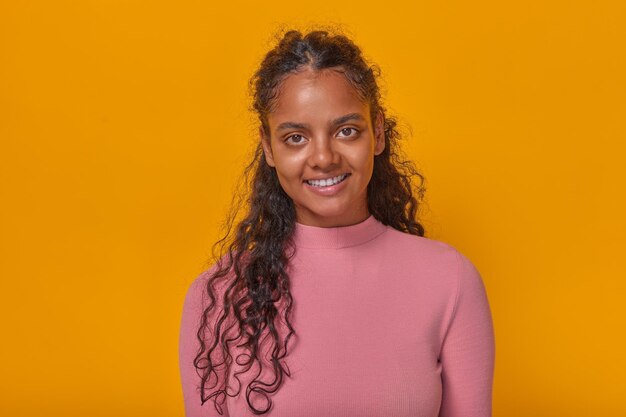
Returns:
(267, 147)
(379, 133)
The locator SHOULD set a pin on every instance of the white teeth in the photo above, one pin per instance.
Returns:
(327, 182)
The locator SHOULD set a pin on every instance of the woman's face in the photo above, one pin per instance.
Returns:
(322, 143)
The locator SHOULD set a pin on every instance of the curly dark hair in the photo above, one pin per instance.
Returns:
(249, 280)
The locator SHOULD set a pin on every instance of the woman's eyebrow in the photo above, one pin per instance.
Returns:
(292, 125)
(348, 117)
(339, 121)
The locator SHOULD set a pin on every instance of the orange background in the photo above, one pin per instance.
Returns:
(124, 126)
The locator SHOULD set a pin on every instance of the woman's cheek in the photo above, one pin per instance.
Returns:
(362, 157)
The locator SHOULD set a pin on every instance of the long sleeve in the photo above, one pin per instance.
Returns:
(468, 350)
(188, 349)
(356, 289)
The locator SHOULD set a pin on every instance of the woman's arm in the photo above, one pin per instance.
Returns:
(188, 349)
(468, 350)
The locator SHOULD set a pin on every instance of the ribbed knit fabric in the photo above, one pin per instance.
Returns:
(387, 324)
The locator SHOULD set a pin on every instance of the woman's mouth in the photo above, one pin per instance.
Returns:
(328, 181)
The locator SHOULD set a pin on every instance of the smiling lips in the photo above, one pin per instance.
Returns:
(327, 182)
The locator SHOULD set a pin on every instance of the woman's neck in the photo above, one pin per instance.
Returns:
(307, 236)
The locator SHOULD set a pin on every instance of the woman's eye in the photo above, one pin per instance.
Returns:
(294, 139)
(348, 131)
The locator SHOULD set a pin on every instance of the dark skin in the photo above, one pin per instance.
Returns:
(322, 143)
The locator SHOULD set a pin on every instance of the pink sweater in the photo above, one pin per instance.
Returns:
(387, 323)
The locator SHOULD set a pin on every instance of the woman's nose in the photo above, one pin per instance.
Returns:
(324, 155)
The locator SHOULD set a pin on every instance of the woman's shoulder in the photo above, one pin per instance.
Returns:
(415, 244)
(434, 254)
(197, 293)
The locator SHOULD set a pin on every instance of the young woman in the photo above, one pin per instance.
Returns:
(327, 299)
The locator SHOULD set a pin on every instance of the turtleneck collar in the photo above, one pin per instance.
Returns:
(337, 237)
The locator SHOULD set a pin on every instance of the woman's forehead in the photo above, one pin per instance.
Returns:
(309, 94)
(334, 77)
